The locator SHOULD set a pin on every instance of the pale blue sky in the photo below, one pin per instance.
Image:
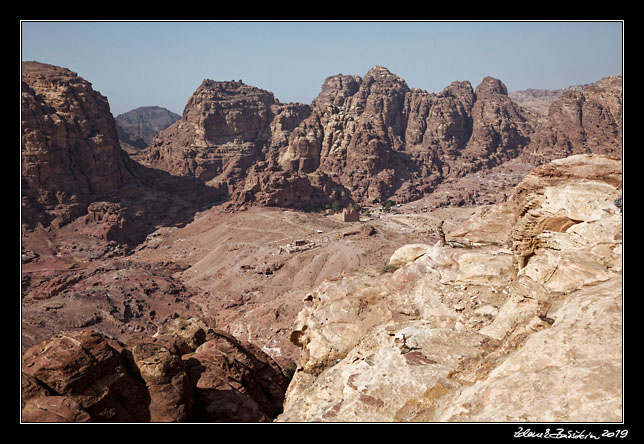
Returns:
(162, 63)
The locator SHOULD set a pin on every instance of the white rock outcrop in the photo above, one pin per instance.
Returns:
(524, 326)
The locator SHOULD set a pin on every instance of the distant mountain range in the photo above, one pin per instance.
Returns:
(539, 100)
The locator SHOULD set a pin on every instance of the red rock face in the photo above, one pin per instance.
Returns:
(581, 122)
(371, 138)
(84, 376)
(90, 370)
(235, 382)
(70, 149)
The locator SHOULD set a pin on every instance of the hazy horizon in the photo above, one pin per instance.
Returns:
(152, 63)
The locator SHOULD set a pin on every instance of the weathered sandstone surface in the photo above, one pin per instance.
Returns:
(186, 372)
(516, 317)
(581, 122)
(371, 138)
(73, 167)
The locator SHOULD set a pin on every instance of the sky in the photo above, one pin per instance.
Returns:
(161, 63)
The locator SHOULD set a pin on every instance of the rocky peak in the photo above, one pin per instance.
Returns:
(336, 89)
(226, 129)
(138, 127)
(382, 76)
(462, 91)
(581, 121)
(211, 91)
(490, 86)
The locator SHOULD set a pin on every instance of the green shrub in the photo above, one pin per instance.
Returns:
(388, 204)
(290, 370)
(389, 268)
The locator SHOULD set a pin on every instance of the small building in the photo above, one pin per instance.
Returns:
(350, 215)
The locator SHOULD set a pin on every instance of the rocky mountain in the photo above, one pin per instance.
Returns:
(363, 139)
(227, 128)
(514, 316)
(139, 126)
(581, 122)
(73, 165)
(129, 261)
(539, 100)
(70, 149)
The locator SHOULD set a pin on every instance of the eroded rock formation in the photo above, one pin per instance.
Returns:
(581, 122)
(70, 149)
(518, 321)
(361, 140)
(73, 165)
(188, 371)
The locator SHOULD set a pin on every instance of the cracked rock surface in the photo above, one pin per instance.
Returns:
(523, 324)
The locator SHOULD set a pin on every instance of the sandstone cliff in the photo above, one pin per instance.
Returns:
(74, 170)
(366, 139)
(581, 122)
(516, 316)
(70, 150)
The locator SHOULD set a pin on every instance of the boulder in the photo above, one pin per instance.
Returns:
(234, 382)
(84, 376)
(92, 371)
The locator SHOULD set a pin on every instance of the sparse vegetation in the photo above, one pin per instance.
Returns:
(389, 268)
(388, 204)
(290, 370)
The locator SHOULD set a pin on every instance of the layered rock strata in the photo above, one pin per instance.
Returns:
(73, 166)
(70, 149)
(186, 372)
(515, 317)
(361, 140)
(581, 122)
